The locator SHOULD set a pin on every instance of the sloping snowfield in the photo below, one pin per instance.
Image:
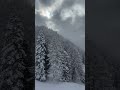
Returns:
(58, 86)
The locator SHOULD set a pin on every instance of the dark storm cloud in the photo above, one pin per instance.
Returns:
(65, 16)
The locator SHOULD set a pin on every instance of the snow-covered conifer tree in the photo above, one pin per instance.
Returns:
(12, 56)
(76, 60)
(59, 61)
(40, 57)
(78, 67)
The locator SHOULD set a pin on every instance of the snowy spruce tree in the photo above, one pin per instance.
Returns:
(12, 56)
(55, 70)
(78, 68)
(41, 64)
(59, 65)
(78, 74)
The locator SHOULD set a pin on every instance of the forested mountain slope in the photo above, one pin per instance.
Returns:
(57, 59)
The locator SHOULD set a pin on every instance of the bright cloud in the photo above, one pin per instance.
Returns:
(73, 12)
(47, 11)
(51, 25)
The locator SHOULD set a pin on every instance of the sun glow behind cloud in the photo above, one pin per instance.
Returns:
(47, 11)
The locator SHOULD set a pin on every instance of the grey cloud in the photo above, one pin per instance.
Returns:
(37, 3)
(39, 20)
(73, 31)
(47, 2)
(69, 3)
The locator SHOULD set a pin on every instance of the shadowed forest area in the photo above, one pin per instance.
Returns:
(102, 72)
(16, 45)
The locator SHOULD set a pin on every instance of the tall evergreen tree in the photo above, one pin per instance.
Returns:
(78, 67)
(12, 56)
(55, 70)
(59, 61)
(77, 63)
(40, 57)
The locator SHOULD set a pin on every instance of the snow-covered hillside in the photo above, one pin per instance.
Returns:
(58, 86)
(57, 59)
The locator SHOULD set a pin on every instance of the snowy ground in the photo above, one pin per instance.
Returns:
(58, 86)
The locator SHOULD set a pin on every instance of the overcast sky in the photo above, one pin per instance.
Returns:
(67, 17)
